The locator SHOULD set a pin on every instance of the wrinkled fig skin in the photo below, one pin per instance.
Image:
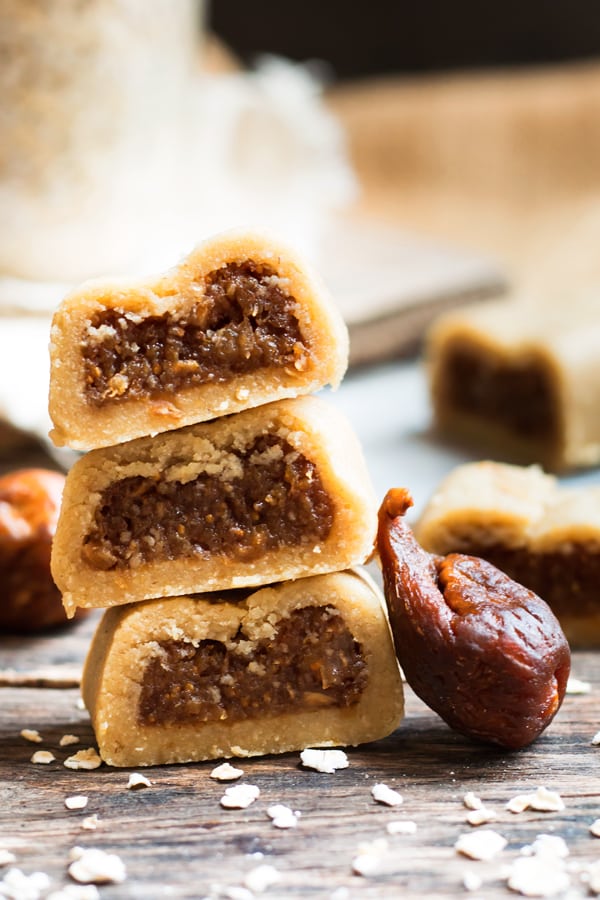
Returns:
(29, 507)
(482, 651)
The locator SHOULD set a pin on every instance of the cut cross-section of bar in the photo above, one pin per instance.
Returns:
(304, 663)
(269, 494)
(520, 381)
(241, 322)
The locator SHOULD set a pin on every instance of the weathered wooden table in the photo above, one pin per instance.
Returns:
(177, 841)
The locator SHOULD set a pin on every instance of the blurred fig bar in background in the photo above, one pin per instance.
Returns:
(520, 519)
(269, 494)
(303, 663)
(520, 381)
(241, 322)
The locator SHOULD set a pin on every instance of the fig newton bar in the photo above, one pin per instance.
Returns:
(520, 381)
(269, 494)
(241, 322)
(305, 663)
(542, 535)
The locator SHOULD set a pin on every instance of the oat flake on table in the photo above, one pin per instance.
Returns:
(16, 884)
(542, 800)
(547, 845)
(261, 878)
(83, 759)
(67, 740)
(226, 772)
(472, 801)
(42, 757)
(240, 796)
(370, 859)
(480, 816)
(472, 881)
(381, 793)
(137, 781)
(401, 826)
(325, 761)
(576, 686)
(6, 857)
(77, 801)
(282, 816)
(94, 866)
(30, 734)
(483, 845)
(540, 875)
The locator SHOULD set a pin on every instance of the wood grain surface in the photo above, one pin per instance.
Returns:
(177, 841)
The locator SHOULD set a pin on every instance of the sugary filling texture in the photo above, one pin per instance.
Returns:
(311, 662)
(279, 500)
(240, 319)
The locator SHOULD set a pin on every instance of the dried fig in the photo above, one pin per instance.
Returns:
(485, 653)
(29, 506)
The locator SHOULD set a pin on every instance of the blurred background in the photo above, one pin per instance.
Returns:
(475, 123)
(408, 37)
(422, 155)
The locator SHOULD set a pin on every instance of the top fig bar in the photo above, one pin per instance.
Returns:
(240, 322)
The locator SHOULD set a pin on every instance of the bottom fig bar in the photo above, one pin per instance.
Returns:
(302, 663)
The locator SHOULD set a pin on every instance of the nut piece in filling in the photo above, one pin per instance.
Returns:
(273, 493)
(239, 323)
(519, 380)
(541, 534)
(308, 662)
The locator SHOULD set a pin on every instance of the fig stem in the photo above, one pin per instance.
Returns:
(396, 502)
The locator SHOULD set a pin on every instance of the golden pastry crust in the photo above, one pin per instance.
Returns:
(522, 520)
(95, 399)
(313, 489)
(521, 380)
(130, 638)
(485, 503)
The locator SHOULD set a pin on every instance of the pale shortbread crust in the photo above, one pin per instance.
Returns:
(82, 426)
(494, 504)
(127, 639)
(560, 342)
(312, 426)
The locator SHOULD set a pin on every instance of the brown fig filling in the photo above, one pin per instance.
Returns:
(568, 582)
(518, 396)
(244, 321)
(311, 662)
(279, 500)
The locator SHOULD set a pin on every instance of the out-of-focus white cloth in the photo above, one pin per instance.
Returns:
(24, 370)
(256, 148)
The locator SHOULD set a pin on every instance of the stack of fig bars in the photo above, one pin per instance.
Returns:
(218, 513)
